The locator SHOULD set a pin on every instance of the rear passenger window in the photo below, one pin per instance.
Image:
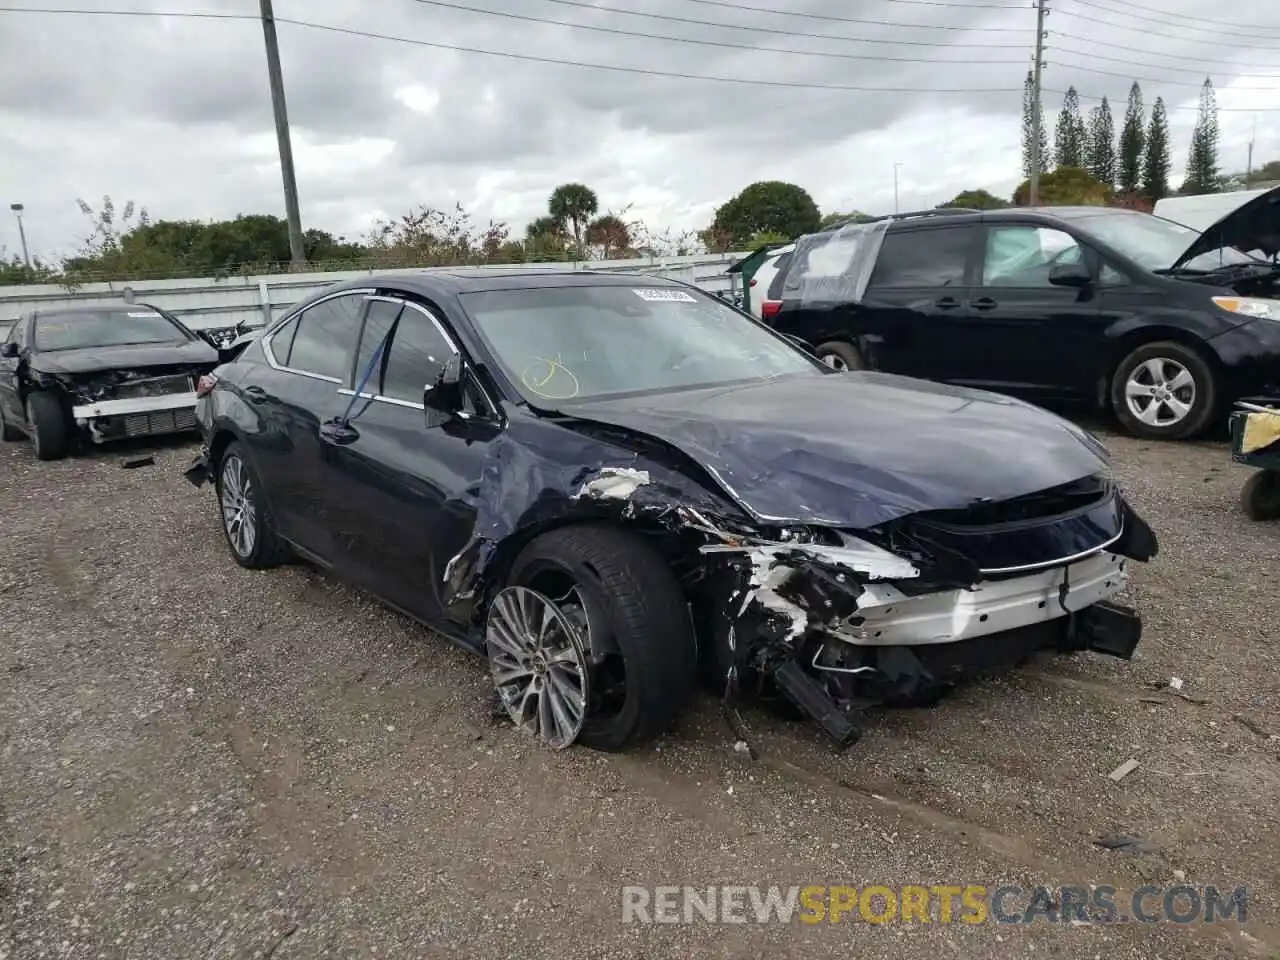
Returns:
(775, 286)
(922, 258)
(326, 338)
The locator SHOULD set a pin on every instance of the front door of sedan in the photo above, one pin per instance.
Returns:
(405, 489)
(1027, 335)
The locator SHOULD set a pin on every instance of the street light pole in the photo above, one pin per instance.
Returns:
(17, 209)
(896, 165)
(297, 254)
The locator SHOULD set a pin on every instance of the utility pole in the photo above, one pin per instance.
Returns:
(1036, 111)
(17, 209)
(1248, 171)
(297, 255)
(896, 165)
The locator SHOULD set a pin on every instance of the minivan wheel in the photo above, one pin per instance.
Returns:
(1164, 391)
(591, 640)
(839, 355)
(246, 519)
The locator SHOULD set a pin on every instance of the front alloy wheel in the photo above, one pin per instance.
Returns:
(1163, 391)
(1160, 392)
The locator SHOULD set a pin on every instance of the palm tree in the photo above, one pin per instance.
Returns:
(573, 204)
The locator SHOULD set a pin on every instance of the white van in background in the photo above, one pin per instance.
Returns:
(1203, 211)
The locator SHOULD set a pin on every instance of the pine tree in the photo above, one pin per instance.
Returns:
(1069, 136)
(1028, 129)
(1132, 140)
(1202, 161)
(1100, 144)
(1155, 162)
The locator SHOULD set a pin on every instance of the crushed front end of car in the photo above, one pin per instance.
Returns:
(123, 404)
(838, 620)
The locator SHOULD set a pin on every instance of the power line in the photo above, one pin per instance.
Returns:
(1232, 39)
(1171, 106)
(1164, 14)
(1154, 53)
(182, 14)
(531, 58)
(831, 18)
(701, 42)
(1175, 83)
(1197, 71)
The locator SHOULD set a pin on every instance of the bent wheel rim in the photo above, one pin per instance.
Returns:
(538, 664)
(239, 513)
(1160, 392)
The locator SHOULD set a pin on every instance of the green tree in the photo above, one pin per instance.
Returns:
(1066, 186)
(769, 206)
(610, 235)
(573, 205)
(976, 200)
(853, 216)
(1100, 144)
(1202, 160)
(1132, 141)
(1156, 162)
(1030, 106)
(1069, 136)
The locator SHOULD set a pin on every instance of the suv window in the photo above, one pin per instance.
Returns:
(779, 278)
(417, 353)
(933, 257)
(325, 338)
(1022, 256)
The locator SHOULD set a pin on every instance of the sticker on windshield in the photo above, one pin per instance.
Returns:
(143, 313)
(664, 296)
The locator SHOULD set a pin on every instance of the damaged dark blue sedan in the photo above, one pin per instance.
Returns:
(608, 484)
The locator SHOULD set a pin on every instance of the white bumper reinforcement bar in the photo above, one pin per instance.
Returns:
(891, 618)
(113, 408)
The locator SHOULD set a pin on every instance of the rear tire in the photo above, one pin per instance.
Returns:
(1164, 391)
(642, 648)
(246, 518)
(840, 355)
(47, 422)
(1261, 496)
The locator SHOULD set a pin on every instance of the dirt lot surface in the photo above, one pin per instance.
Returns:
(201, 761)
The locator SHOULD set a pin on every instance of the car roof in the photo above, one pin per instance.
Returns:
(443, 282)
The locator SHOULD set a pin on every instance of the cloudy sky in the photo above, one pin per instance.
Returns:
(175, 114)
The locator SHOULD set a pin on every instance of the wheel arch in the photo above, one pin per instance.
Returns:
(1131, 340)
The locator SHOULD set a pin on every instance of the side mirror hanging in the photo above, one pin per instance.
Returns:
(443, 399)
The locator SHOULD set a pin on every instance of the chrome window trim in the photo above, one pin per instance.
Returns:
(267, 338)
(449, 342)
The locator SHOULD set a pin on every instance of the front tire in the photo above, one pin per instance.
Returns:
(840, 356)
(47, 423)
(1164, 391)
(633, 622)
(246, 519)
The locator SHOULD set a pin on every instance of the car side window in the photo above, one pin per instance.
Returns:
(326, 338)
(1022, 256)
(779, 278)
(417, 353)
(1109, 276)
(377, 324)
(934, 257)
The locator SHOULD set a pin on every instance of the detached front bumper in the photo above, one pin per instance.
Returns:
(107, 420)
(200, 472)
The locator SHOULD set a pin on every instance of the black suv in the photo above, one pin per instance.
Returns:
(1120, 308)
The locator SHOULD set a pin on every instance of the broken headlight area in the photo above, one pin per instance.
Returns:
(836, 623)
(128, 384)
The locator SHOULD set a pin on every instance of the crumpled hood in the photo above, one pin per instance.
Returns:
(858, 449)
(1254, 225)
(126, 357)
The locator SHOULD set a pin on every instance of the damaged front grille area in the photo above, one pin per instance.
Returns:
(156, 386)
(1050, 504)
(156, 422)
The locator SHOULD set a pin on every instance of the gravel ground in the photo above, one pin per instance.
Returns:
(202, 761)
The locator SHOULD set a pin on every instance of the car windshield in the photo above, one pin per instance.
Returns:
(103, 328)
(587, 342)
(1154, 242)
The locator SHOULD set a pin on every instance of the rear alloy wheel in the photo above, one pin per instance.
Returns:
(1164, 391)
(839, 355)
(246, 521)
(591, 641)
(47, 426)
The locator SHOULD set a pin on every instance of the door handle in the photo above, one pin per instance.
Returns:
(983, 303)
(256, 393)
(337, 432)
(947, 303)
